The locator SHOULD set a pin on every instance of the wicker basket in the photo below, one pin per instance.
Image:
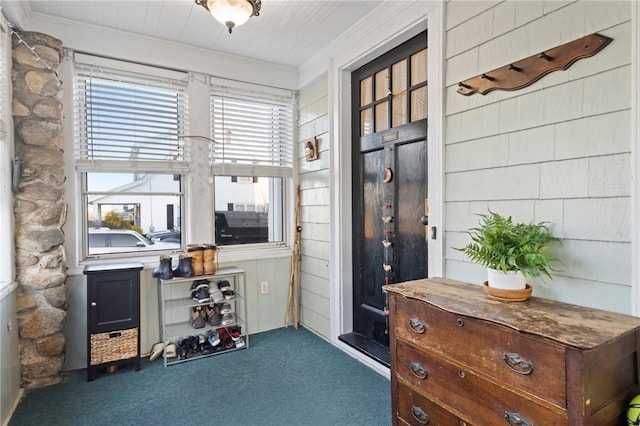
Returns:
(114, 346)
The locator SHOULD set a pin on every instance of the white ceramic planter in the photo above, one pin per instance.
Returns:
(509, 280)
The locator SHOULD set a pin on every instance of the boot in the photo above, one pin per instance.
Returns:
(163, 271)
(196, 252)
(184, 268)
(209, 259)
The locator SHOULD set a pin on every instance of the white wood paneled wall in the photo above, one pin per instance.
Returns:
(314, 208)
(558, 150)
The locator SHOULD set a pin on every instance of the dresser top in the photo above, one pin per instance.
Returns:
(572, 325)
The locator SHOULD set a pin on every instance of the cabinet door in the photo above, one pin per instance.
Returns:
(114, 301)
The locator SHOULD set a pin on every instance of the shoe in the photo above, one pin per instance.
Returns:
(225, 309)
(197, 318)
(170, 349)
(224, 285)
(239, 342)
(156, 351)
(206, 348)
(214, 338)
(213, 314)
(200, 296)
(226, 339)
(227, 319)
(215, 295)
(193, 344)
(200, 284)
(228, 294)
(183, 349)
(235, 332)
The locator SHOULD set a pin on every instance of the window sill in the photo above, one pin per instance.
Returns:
(226, 255)
(240, 254)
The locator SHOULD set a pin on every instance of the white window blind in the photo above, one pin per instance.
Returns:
(253, 130)
(128, 121)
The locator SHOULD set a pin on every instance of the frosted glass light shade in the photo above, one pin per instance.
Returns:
(230, 12)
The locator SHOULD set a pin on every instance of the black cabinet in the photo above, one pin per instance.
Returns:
(113, 315)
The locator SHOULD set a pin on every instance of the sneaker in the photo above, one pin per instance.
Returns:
(224, 285)
(235, 333)
(183, 349)
(224, 338)
(227, 319)
(197, 319)
(213, 314)
(193, 344)
(228, 294)
(227, 341)
(225, 309)
(239, 342)
(206, 348)
(200, 296)
(216, 295)
(213, 337)
(200, 284)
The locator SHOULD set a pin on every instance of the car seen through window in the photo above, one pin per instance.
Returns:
(105, 240)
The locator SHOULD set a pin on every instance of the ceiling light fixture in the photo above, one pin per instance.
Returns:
(231, 12)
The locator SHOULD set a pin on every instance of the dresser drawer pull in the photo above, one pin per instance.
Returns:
(516, 419)
(416, 325)
(518, 364)
(418, 370)
(419, 414)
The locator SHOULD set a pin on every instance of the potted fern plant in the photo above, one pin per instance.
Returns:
(511, 251)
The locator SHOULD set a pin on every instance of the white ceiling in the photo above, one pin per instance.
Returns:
(287, 32)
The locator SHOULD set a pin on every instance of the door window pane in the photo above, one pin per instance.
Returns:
(399, 93)
(419, 104)
(366, 122)
(366, 89)
(419, 67)
(382, 84)
(382, 116)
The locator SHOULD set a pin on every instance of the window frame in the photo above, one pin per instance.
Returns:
(281, 166)
(130, 75)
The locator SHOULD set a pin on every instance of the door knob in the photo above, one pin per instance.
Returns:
(424, 220)
(94, 304)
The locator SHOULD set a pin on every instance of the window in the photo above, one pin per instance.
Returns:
(251, 161)
(130, 157)
(255, 214)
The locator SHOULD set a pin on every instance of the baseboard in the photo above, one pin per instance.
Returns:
(369, 362)
(12, 410)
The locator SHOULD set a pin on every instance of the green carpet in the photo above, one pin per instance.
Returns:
(286, 377)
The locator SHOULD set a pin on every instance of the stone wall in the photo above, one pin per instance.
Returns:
(39, 207)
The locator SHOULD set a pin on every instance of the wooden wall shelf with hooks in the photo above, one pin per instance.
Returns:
(525, 72)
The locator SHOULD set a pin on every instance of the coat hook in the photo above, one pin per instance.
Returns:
(513, 67)
(545, 56)
(487, 77)
(466, 86)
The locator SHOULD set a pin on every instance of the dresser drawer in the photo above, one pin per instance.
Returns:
(466, 392)
(414, 409)
(514, 359)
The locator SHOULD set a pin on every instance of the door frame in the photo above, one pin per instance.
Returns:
(416, 18)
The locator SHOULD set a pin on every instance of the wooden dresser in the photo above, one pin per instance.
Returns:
(459, 358)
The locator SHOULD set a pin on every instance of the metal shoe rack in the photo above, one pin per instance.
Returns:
(176, 306)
